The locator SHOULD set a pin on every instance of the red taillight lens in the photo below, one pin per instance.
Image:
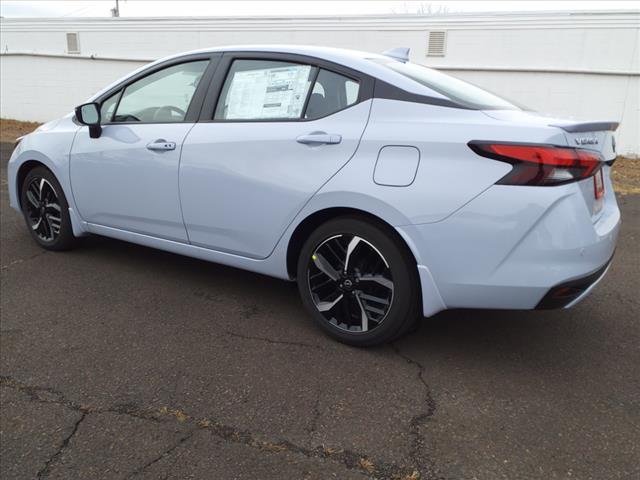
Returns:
(540, 164)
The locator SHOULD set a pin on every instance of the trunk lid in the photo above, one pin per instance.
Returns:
(589, 135)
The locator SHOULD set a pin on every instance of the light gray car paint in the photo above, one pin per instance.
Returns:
(396, 166)
(476, 244)
(118, 182)
(243, 183)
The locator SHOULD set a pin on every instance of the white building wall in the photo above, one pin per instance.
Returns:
(43, 88)
(585, 65)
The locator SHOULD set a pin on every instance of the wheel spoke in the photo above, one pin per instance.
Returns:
(54, 223)
(323, 284)
(364, 319)
(350, 248)
(372, 298)
(50, 226)
(46, 227)
(369, 308)
(333, 252)
(40, 187)
(54, 206)
(325, 267)
(326, 306)
(32, 199)
(379, 279)
(36, 226)
(35, 193)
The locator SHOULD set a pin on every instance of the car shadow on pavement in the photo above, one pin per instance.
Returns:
(462, 331)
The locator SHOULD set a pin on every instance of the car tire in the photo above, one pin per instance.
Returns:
(376, 298)
(46, 211)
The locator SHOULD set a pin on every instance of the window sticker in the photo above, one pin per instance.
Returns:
(268, 93)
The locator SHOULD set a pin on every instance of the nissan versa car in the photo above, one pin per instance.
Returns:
(386, 189)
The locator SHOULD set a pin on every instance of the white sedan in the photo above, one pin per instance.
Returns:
(386, 189)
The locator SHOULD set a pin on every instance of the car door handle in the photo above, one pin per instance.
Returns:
(161, 144)
(319, 138)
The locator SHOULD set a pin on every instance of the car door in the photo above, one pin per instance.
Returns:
(128, 177)
(281, 127)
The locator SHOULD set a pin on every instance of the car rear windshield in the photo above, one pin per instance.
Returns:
(461, 92)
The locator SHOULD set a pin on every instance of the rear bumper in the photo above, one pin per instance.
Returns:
(509, 247)
(567, 294)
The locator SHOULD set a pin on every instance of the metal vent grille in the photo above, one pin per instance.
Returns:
(436, 45)
(73, 45)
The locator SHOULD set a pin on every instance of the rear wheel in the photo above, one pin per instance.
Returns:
(358, 282)
(46, 210)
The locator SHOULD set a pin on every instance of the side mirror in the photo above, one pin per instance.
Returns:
(89, 114)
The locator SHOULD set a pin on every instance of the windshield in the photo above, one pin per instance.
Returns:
(461, 92)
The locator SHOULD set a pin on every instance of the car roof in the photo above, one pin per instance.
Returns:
(356, 59)
(326, 53)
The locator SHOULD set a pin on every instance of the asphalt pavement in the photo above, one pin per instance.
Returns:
(119, 361)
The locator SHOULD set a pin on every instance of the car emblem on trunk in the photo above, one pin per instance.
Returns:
(586, 141)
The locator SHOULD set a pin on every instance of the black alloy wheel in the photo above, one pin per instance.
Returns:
(350, 283)
(43, 209)
(359, 281)
(46, 211)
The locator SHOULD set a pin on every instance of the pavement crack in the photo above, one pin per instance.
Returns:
(22, 260)
(272, 341)
(53, 396)
(44, 471)
(41, 394)
(164, 454)
(425, 466)
(350, 459)
(430, 403)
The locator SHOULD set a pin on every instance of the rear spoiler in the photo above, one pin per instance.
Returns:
(575, 127)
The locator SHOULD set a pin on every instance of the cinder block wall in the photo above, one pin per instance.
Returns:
(584, 65)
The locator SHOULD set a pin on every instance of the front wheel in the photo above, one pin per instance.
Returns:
(46, 211)
(359, 282)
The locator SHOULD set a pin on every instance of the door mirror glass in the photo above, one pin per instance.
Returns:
(88, 114)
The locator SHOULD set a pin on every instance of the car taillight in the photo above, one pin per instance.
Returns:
(598, 185)
(540, 164)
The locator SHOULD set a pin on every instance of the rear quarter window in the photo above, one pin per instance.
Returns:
(459, 91)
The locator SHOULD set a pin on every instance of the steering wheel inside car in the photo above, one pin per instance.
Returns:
(127, 117)
(168, 112)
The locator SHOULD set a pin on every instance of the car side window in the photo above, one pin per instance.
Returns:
(264, 90)
(161, 97)
(108, 107)
(331, 93)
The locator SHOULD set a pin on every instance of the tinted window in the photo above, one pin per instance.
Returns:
(161, 97)
(331, 93)
(261, 90)
(462, 92)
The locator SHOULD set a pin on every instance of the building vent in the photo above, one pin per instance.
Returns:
(73, 45)
(436, 45)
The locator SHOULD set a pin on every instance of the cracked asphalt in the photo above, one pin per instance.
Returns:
(119, 361)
